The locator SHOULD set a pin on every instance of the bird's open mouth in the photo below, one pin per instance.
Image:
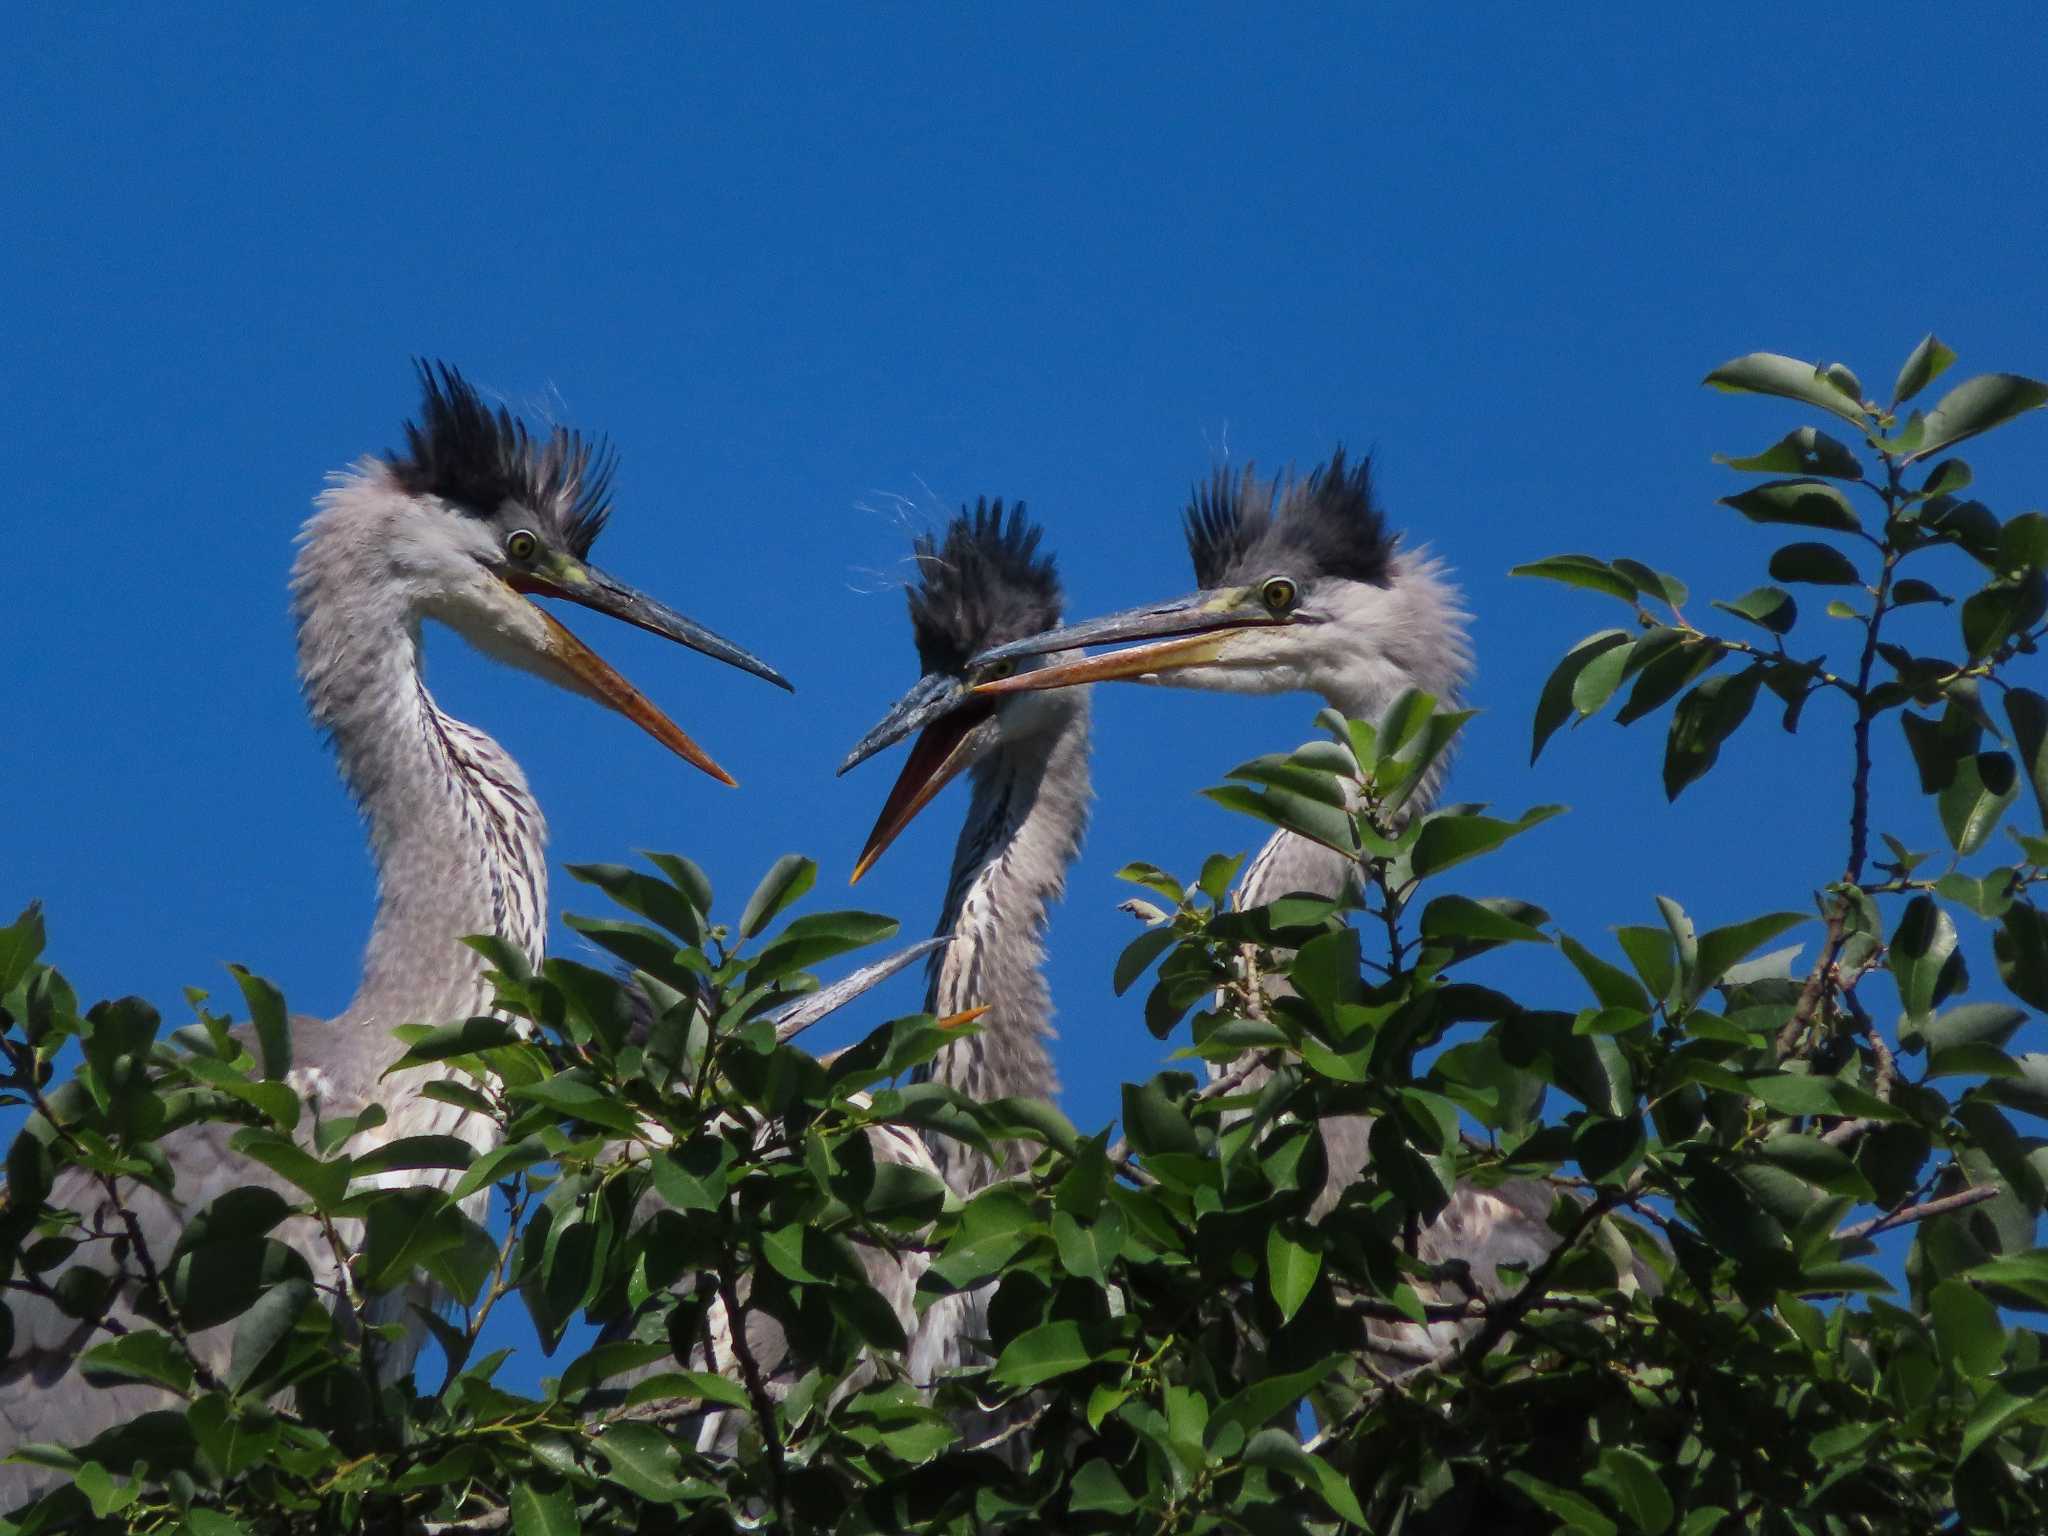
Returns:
(939, 754)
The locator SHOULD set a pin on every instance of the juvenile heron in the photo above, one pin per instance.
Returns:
(469, 520)
(1027, 760)
(1303, 588)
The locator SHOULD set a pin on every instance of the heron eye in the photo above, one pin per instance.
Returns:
(995, 671)
(1278, 594)
(521, 544)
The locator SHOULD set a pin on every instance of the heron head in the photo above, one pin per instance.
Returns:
(1296, 578)
(984, 583)
(497, 517)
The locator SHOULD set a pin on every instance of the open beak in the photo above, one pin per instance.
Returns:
(940, 706)
(1186, 632)
(579, 583)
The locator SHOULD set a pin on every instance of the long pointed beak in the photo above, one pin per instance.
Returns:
(1185, 632)
(575, 582)
(940, 705)
(578, 583)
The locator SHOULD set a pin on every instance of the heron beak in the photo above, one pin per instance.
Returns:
(605, 684)
(575, 582)
(1186, 632)
(578, 583)
(940, 706)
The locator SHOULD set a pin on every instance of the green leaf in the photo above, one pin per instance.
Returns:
(1559, 700)
(1154, 1123)
(1923, 956)
(273, 1025)
(1718, 949)
(692, 1177)
(325, 1181)
(1581, 1515)
(1799, 503)
(20, 942)
(1087, 1249)
(1769, 373)
(1704, 719)
(139, 1356)
(787, 879)
(1818, 565)
(261, 1332)
(501, 1163)
(1449, 838)
(1805, 451)
(1460, 917)
(1278, 1451)
(644, 1461)
(1766, 607)
(1304, 815)
(1923, 365)
(464, 1039)
(2028, 713)
(1139, 954)
(1581, 571)
(1630, 1479)
(1612, 986)
(2020, 948)
(543, 1512)
(1155, 880)
(1984, 784)
(1096, 1489)
(1977, 405)
(1039, 1354)
(414, 1152)
(1291, 1269)
(1967, 1328)
(656, 900)
(1672, 669)
(1262, 1400)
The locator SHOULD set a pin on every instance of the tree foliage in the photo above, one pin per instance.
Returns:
(1193, 1326)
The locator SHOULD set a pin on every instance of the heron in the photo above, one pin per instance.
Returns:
(1303, 587)
(465, 525)
(1026, 757)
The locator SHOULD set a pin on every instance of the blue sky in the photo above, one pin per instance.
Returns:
(822, 276)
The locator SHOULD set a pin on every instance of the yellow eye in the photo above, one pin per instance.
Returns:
(521, 545)
(1278, 594)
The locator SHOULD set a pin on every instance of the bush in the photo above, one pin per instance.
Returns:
(1195, 1327)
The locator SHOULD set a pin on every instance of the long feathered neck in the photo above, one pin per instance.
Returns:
(1415, 638)
(456, 836)
(1024, 827)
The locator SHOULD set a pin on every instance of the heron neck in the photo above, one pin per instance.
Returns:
(1024, 827)
(457, 839)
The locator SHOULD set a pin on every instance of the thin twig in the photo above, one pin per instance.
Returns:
(757, 1386)
(1899, 1218)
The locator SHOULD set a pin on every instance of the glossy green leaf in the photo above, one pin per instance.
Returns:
(1450, 838)
(1924, 364)
(1803, 451)
(1291, 1269)
(1820, 565)
(1768, 608)
(1581, 571)
(2020, 947)
(1630, 1479)
(786, 881)
(143, 1355)
(1704, 719)
(1153, 1122)
(1799, 503)
(262, 1330)
(1924, 960)
(272, 1024)
(1977, 405)
(657, 900)
(1043, 1353)
(2027, 712)
(543, 1512)
(1579, 1514)
(1559, 700)
(1770, 373)
(1983, 785)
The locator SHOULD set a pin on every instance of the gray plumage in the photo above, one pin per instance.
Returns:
(474, 513)
(1026, 759)
(1303, 587)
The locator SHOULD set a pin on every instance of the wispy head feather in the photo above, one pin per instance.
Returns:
(478, 459)
(985, 584)
(1241, 528)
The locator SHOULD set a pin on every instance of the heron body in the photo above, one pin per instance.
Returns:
(1026, 759)
(1303, 587)
(460, 527)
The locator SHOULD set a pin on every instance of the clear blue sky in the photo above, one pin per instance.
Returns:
(821, 275)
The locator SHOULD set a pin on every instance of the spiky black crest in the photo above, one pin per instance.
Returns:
(984, 585)
(478, 459)
(1326, 523)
